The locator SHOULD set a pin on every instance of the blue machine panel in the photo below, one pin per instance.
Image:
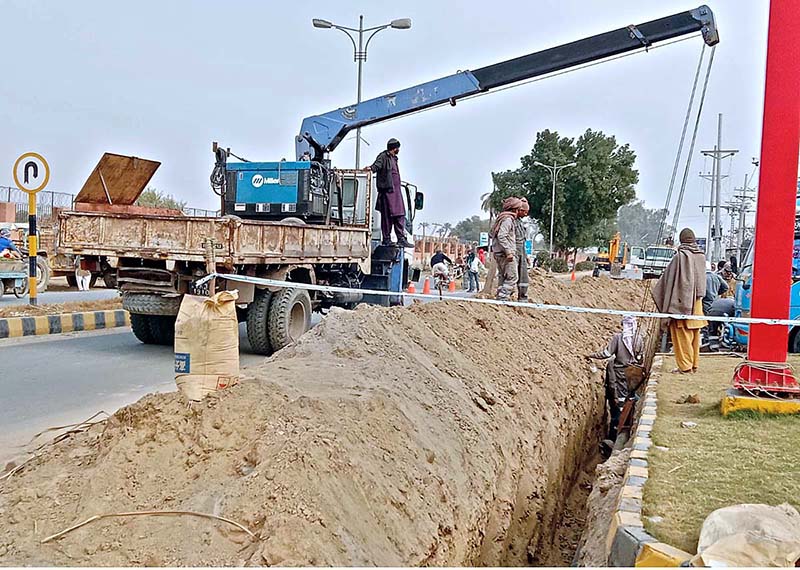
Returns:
(267, 182)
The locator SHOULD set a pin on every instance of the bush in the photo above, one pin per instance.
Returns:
(557, 265)
(584, 266)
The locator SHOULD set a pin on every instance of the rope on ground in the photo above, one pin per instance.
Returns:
(149, 513)
(522, 305)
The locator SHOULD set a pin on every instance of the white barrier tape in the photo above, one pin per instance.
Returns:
(522, 305)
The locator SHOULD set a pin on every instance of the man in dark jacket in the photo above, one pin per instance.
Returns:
(390, 195)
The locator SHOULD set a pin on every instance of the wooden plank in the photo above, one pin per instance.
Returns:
(125, 177)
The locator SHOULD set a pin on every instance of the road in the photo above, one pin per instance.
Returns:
(52, 297)
(62, 379)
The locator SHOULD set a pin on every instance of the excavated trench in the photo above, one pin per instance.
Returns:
(439, 434)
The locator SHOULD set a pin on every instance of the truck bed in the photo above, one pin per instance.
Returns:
(237, 241)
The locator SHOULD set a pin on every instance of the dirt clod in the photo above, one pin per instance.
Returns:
(438, 442)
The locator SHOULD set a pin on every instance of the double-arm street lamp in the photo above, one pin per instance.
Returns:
(554, 170)
(360, 51)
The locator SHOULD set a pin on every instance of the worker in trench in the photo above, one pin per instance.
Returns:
(504, 248)
(680, 291)
(522, 259)
(390, 195)
(625, 349)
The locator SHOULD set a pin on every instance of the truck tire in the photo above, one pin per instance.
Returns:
(289, 317)
(794, 341)
(150, 304)
(258, 323)
(43, 274)
(162, 328)
(140, 325)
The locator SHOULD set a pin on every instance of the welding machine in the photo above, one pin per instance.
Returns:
(277, 190)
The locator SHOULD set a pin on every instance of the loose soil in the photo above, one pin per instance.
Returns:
(721, 461)
(437, 434)
(59, 308)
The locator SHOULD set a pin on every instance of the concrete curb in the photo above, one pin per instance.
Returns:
(13, 327)
(628, 544)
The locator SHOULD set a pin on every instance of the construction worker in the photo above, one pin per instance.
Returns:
(522, 259)
(679, 291)
(504, 248)
(624, 349)
(715, 287)
(729, 277)
(390, 195)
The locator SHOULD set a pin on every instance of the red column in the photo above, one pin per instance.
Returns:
(772, 271)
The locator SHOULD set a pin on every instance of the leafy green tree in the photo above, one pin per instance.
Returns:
(587, 195)
(470, 229)
(155, 199)
(642, 226)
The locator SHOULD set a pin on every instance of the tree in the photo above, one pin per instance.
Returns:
(642, 226)
(155, 199)
(424, 226)
(587, 196)
(470, 229)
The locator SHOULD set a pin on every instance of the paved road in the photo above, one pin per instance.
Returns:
(50, 297)
(61, 379)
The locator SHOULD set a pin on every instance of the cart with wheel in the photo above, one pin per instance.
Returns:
(13, 277)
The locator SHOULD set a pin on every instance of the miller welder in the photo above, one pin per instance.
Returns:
(272, 190)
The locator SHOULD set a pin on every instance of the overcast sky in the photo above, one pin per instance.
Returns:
(161, 80)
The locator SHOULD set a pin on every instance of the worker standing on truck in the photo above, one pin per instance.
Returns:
(390, 195)
(679, 291)
(504, 248)
(624, 349)
(522, 259)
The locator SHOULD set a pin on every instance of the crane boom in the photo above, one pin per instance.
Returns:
(321, 134)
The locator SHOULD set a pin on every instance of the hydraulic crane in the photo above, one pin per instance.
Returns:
(276, 190)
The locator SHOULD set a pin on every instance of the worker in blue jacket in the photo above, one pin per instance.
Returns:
(6, 245)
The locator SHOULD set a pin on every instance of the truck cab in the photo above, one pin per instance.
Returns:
(739, 332)
(656, 259)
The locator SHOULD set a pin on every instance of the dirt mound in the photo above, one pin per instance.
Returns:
(439, 434)
(58, 308)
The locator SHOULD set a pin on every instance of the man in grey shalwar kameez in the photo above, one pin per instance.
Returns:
(522, 258)
(624, 349)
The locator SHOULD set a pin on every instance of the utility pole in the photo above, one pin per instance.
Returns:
(718, 155)
(743, 198)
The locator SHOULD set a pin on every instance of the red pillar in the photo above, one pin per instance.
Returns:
(772, 269)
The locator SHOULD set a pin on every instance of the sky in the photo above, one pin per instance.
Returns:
(162, 80)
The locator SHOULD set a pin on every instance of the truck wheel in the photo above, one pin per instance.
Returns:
(289, 317)
(140, 325)
(258, 323)
(43, 275)
(162, 329)
(794, 341)
(150, 304)
(72, 281)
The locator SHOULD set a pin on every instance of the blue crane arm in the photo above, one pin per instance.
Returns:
(321, 134)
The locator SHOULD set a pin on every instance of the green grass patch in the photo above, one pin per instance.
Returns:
(744, 458)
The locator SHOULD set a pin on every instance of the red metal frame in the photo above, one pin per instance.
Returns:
(780, 144)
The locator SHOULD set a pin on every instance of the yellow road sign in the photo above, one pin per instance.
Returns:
(31, 172)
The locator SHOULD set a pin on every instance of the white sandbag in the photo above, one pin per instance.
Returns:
(206, 344)
(750, 535)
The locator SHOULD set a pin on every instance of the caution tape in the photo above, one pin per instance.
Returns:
(520, 304)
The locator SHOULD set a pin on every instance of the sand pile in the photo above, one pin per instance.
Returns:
(440, 434)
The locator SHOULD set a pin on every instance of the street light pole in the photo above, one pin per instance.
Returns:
(360, 53)
(554, 170)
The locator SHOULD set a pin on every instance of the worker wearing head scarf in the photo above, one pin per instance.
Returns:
(521, 258)
(504, 248)
(727, 275)
(624, 349)
(390, 203)
(680, 291)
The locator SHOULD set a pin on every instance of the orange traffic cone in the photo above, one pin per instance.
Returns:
(426, 286)
(572, 277)
(411, 288)
(451, 287)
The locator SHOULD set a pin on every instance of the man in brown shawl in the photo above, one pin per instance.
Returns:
(504, 248)
(680, 291)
